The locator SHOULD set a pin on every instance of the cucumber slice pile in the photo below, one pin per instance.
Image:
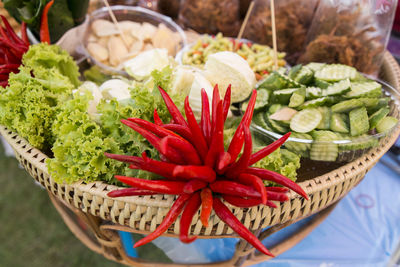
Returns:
(329, 102)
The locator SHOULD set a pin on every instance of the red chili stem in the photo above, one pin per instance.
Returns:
(159, 186)
(200, 142)
(277, 178)
(192, 206)
(256, 183)
(227, 102)
(171, 216)
(172, 108)
(44, 25)
(268, 149)
(205, 123)
(193, 186)
(282, 197)
(206, 205)
(227, 216)
(24, 34)
(127, 192)
(186, 149)
(203, 173)
(238, 138)
(217, 140)
(234, 189)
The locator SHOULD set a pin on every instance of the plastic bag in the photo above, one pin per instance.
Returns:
(211, 16)
(351, 32)
(292, 19)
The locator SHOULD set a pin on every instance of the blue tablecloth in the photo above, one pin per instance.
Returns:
(363, 230)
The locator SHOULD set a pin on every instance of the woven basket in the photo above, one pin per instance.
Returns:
(143, 213)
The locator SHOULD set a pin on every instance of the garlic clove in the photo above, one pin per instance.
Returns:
(98, 52)
(102, 27)
(117, 50)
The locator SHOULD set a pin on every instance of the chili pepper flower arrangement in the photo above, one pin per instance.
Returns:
(196, 167)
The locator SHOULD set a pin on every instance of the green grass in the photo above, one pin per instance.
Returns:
(32, 233)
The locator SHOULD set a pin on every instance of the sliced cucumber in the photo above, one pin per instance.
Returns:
(293, 71)
(303, 149)
(369, 102)
(297, 98)
(326, 118)
(283, 96)
(276, 126)
(359, 123)
(258, 119)
(273, 82)
(323, 149)
(386, 124)
(340, 123)
(346, 106)
(315, 66)
(314, 103)
(274, 108)
(338, 88)
(306, 120)
(365, 89)
(356, 143)
(382, 102)
(313, 92)
(336, 72)
(321, 83)
(290, 83)
(375, 118)
(304, 75)
(262, 99)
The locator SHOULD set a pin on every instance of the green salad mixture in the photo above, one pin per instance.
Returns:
(42, 104)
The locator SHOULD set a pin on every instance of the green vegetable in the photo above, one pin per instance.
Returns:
(323, 149)
(346, 106)
(359, 123)
(339, 123)
(305, 120)
(314, 103)
(301, 148)
(283, 96)
(30, 103)
(338, 88)
(386, 124)
(365, 89)
(336, 72)
(94, 74)
(304, 75)
(375, 118)
(326, 118)
(297, 98)
(313, 93)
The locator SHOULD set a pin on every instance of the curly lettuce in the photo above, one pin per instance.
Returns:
(30, 103)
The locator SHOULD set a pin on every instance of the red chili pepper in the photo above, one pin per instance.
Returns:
(190, 210)
(173, 110)
(154, 128)
(187, 151)
(282, 197)
(24, 35)
(200, 143)
(9, 66)
(277, 189)
(277, 178)
(170, 154)
(234, 189)
(159, 186)
(205, 123)
(224, 159)
(203, 173)
(265, 72)
(227, 216)
(238, 138)
(227, 102)
(256, 183)
(193, 186)
(268, 149)
(44, 25)
(14, 37)
(161, 168)
(171, 216)
(215, 100)
(127, 192)
(181, 130)
(217, 139)
(206, 206)
(242, 202)
(3, 83)
(239, 166)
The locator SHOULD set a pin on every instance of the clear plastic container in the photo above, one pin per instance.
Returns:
(136, 14)
(346, 150)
